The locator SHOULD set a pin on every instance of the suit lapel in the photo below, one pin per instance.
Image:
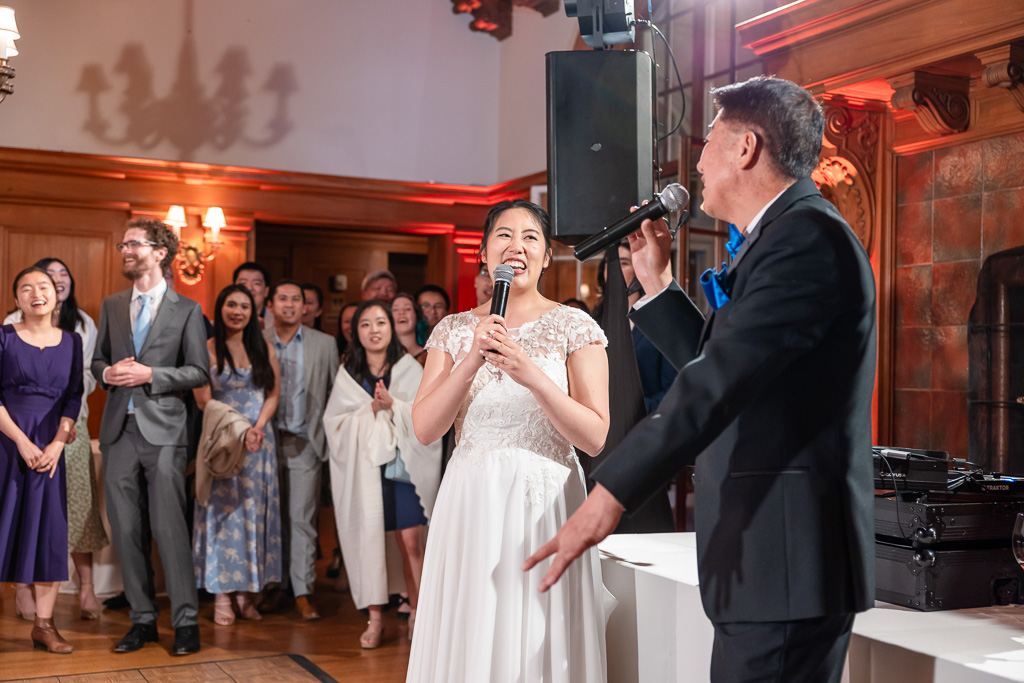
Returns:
(705, 331)
(121, 321)
(308, 358)
(164, 314)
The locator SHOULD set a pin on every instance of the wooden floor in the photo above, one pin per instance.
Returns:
(332, 643)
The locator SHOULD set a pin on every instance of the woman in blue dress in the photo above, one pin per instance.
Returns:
(40, 396)
(237, 534)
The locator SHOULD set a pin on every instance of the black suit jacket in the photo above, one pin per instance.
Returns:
(773, 400)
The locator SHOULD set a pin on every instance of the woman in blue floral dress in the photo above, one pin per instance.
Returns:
(236, 544)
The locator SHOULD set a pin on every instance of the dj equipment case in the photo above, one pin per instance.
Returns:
(947, 544)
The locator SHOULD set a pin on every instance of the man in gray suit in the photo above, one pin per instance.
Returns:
(151, 350)
(309, 363)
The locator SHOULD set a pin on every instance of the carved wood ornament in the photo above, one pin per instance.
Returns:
(495, 16)
(1004, 68)
(941, 104)
(845, 175)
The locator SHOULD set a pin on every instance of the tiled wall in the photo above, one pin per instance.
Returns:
(955, 207)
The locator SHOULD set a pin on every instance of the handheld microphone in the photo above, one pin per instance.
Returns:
(673, 198)
(503, 276)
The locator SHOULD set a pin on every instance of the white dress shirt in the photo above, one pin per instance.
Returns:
(156, 294)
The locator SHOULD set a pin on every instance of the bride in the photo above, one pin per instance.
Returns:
(522, 391)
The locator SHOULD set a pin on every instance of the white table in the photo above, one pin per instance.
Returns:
(893, 644)
(659, 633)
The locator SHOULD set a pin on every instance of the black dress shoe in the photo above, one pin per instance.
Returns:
(137, 636)
(186, 640)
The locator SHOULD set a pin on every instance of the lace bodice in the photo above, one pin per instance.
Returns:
(500, 414)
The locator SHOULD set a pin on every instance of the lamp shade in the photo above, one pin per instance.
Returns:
(176, 217)
(214, 218)
(7, 25)
(7, 48)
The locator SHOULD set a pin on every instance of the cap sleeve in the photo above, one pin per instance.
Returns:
(441, 336)
(582, 330)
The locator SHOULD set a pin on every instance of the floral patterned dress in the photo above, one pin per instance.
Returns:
(236, 544)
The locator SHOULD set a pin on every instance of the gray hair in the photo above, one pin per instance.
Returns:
(784, 114)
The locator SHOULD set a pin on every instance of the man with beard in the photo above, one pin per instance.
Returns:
(150, 352)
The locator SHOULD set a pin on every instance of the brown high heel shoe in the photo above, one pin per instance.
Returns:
(46, 637)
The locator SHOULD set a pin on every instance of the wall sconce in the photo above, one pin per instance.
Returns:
(8, 34)
(191, 258)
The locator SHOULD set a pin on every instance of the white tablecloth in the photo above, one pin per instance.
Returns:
(659, 632)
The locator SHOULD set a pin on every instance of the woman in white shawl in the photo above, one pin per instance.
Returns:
(368, 422)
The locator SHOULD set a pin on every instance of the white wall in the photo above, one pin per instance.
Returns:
(522, 112)
(397, 89)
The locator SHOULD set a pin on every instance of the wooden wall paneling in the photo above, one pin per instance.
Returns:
(442, 266)
(80, 250)
(72, 234)
(82, 238)
(315, 255)
(832, 44)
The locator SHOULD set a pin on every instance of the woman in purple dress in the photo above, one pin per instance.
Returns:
(40, 395)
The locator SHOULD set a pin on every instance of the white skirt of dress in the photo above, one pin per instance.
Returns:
(480, 617)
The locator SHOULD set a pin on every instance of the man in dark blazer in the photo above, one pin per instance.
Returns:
(773, 400)
(150, 352)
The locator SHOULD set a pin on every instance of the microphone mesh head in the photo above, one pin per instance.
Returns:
(504, 273)
(675, 197)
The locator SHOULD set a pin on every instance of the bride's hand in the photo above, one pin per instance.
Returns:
(484, 333)
(510, 357)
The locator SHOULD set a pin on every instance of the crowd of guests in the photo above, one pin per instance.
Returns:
(288, 412)
(264, 375)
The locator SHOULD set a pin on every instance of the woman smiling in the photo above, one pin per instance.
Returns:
(40, 397)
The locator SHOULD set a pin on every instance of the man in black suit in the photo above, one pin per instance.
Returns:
(773, 399)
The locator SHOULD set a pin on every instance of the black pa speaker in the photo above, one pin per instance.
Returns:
(600, 139)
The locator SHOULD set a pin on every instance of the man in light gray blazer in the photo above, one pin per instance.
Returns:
(150, 351)
(309, 363)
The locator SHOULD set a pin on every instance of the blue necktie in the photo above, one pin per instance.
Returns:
(714, 284)
(142, 325)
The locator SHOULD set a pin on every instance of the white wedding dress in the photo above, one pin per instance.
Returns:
(510, 485)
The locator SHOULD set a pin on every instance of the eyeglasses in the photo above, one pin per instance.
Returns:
(134, 244)
(436, 307)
